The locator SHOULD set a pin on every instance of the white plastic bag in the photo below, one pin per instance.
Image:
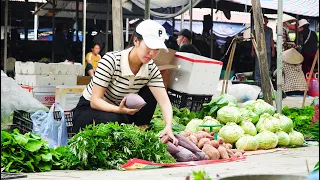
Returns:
(13, 98)
(51, 130)
(219, 88)
(244, 92)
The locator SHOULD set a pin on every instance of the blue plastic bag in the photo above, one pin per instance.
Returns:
(51, 130)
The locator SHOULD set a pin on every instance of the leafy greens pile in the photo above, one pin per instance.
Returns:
(108, 146)
(302, 121)
(27, 153)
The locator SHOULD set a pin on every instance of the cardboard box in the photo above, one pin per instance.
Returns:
(68, 96)
(44, 94)
(164, 59)
(83, 80)
(194, 74)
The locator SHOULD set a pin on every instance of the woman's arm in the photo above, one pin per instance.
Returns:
(163, 100)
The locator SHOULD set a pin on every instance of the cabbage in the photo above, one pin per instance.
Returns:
(208, 120)
(229, 113)
(286, 124)
(268, 122)
(267, 140)
(248, 127)
(231, 132)
(193, 125)
(259, 107)
(296, 138)
(248, 114)
(247, 143)
(283, 138)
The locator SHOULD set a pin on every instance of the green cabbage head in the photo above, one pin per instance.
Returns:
(247, 143)
(231, 132)
(208, 120)
(259, 107)
(248, 114)
(248, 127)
(283, 138)
(268, 123)
(267, 140)
(286, 124)
(229, 113)
(193, 125)
(296, 138)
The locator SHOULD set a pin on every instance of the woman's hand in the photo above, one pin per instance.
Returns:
(168, 131)
(124, 110)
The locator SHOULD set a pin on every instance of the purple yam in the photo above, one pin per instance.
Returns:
(134, 101)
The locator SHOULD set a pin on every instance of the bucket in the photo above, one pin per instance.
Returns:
(265, 177)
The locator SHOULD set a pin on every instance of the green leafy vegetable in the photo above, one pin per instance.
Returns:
(229, 113)
(211, 108)
(302, 121)
(231, 132)
(267, 140)
(283, 138)
(247, 143)
(108, 146)
(259, 107)
(25, 153)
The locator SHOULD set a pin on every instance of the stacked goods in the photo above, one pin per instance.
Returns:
(200, 146)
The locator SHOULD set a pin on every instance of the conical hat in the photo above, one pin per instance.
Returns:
(292, 56)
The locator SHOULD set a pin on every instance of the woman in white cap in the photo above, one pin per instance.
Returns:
(129, 71)
(309, 45)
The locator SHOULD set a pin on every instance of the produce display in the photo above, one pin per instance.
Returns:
(196, 146)
(27, 153)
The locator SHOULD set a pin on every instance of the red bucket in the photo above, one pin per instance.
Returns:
(313, 89)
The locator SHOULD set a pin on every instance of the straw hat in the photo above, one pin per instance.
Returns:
(303, 22)
(292, 56)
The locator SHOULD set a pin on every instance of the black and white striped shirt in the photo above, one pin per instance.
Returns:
(114, 73)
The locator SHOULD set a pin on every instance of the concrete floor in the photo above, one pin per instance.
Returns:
(291, 161)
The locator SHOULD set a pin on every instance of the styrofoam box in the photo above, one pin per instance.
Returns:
(44, 80)
(68, 96)
(194, 74)
(35, 68)
(44, 94)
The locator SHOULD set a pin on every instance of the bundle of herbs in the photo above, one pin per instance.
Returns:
(26, 153)
(108, 146)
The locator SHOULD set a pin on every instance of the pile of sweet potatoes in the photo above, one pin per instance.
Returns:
(200, 146)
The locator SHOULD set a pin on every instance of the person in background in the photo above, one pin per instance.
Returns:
(268, 33)
(309, 45)
(130, 71)
(92, 59)
(184, 42)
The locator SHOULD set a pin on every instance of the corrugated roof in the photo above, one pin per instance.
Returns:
(31, 1)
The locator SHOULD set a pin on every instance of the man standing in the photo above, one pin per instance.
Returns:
(268, 33)
(184, 42)
(309, 43)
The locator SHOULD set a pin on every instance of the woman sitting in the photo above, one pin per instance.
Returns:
(92, 59)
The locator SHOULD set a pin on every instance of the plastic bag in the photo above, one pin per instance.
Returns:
(244, 92)
(13, 98)
(51, 130)
(219, 88)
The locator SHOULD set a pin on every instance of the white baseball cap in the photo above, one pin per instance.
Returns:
(153, 34)
(303, 22)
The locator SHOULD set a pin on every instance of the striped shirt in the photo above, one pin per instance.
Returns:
(114, 74)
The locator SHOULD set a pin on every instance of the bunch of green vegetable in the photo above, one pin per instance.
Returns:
(26, 153)
(302, 121)
(211, 108)
(108, 146)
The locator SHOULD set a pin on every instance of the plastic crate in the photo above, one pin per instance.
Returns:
(22, 121)
(192, 102)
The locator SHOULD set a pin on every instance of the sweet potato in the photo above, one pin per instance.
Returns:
(200, 155)
(202, 142)
(212, 152)
(199, 136)
(223, 152)
(193, 139)
(172, 149)
(238, 154)
(237, 150)
(184, 142)
(184, 155)
(165, 139)
(228, 146)
(221, 141)
(214, 143)
(207, 135)
(230, 153)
